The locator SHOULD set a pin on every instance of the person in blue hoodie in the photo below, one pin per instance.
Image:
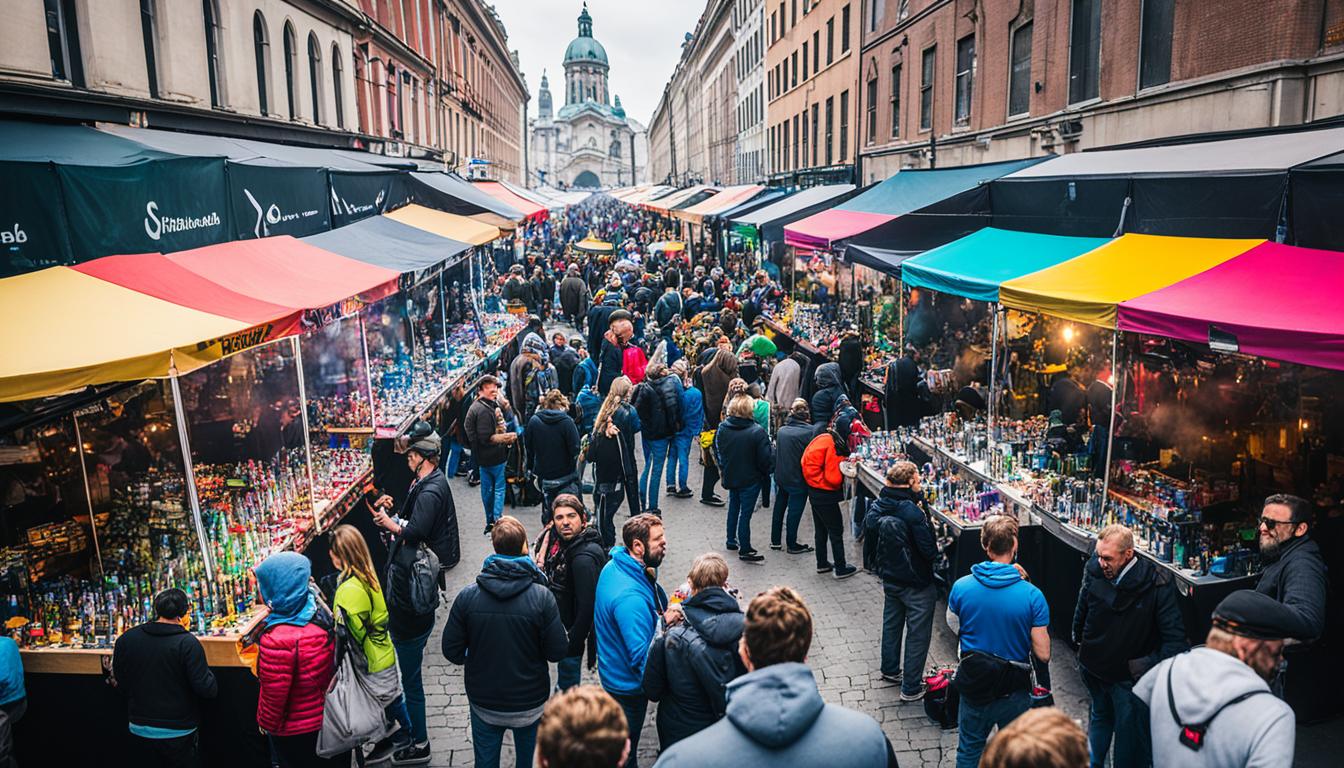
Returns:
(13, 696)
(1002, 621)
(626, 614)
(775, 715)
(504, 629)
(692, 422)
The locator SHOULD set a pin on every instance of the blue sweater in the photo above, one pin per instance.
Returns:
(625, 616)
(11, 672)
(692, 412)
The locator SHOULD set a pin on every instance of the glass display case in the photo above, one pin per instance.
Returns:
(340, 413)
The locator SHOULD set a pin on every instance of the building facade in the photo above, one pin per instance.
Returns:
(380, 75)
(957, 82)
(749, 155)
(811, 73)
(589, 142)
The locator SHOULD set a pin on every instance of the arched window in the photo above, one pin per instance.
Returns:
(212, 45)
(261, 46)
(315, 75)
(337, 84)
(291, 67)
(149, 32)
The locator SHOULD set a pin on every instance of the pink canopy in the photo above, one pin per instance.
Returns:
(1276, 301)
(821, 229)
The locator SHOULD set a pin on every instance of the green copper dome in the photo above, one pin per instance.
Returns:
(585, 47)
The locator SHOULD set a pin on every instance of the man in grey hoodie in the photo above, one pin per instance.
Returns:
(1212, 706)
(775, 715)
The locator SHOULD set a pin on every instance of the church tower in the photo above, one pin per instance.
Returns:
(544, 98)
(585, 66)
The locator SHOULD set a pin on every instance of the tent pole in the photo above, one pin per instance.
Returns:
(307, 445)
(993, 370)
(368, 371)
(88, 498)
(1110, 433)
(192, 496)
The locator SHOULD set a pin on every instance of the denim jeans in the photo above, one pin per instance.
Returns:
(830, 526)
(568, 672)
(741, 503)
(492, 492)
(635, 707)
(911, 609)
(487, 739)
(410, 659)
(679, 460)
(1117, 712)
(397, 713)
(793, 500)
(974, 722)
(454, 458)
(655, 455)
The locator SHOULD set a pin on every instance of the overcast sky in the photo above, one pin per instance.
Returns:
(642, 38)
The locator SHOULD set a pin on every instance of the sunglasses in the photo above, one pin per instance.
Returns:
(1270, 523)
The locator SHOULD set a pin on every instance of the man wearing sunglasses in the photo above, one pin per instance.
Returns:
(1294, 569)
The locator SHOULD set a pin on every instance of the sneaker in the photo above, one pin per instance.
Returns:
(382, 751)
(801, 549)
(488, 528)
(713, 501)
(896, 678)
(417, 754)
(751, 556)
(844, 572)
(824, 569)
(776, 546)
(731, 546)
(654, 511)
(916, 696)
(473, 478)
(684, 493)
(671, 490)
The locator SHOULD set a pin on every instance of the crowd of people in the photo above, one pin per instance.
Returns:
(657, 362)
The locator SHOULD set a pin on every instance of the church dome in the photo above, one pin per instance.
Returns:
(585, 47)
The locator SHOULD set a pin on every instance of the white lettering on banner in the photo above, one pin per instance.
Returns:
(272, 215)
(156, 226)
(14, 237)
(339, 206)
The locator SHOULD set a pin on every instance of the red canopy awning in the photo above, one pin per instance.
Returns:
(529, 208)
(821, 229)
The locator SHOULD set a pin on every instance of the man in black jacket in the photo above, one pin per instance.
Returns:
(572, 560)
(574, 297)
(611, 361)
(490, 441)
(657, 401)
(743, 451)
(1126, 622)
(504, 629)
(161, 669)
(897, 539)
(1295, 571)
(552, 442)
(790, 443)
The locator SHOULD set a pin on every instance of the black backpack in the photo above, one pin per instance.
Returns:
(412, 579)
(893, 551)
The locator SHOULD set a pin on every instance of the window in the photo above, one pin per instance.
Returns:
(926, 89)
(1155, 42)
(804, 61)
(830, 40)
(874, 14)
(291, 64)
(793, 81)
(786, 165)
(1019, 71)
(795, 141)
(774, 35)
(816, 50)
(315, 75)
(895, 101)
(803, 122)
(793, 17)
(211, 14)
(1084, 50)
(844, 29)
(903, 10)
(965, 81)
(830, 122)
(870, 107)
(844, 126)
(149, 33)
(63, 42)
(337, 84)
(816, 137)
(261, 49)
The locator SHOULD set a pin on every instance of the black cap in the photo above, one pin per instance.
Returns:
(1256, 615)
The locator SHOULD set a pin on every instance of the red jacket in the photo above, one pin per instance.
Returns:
(294, 665)
(821, 464)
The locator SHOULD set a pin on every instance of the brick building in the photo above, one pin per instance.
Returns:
(956, 82)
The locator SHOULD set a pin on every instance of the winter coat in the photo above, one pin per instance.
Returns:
(615, 459)
(1297, 579)
(366, 610)
(715, 378)
(692, 412)
(743, 453)
(482, 420)
(776, 716)
(625, 616)
(518, 289)
(1123, 630)
(783, 386)
(821, 469)
(790, 443)
(667, 311)
(552, 441)
(572, 574)
(161, 670)
(897, 539)
(565, 361)
(431, 518)
(610, 366)
(599, 321)
(574, 296)
(658, 403)
(850, 357)
(295, 665)
(589, 403)
(901, 393)
(830, 388)
(505, 628)
(690, 665)
(585, 375)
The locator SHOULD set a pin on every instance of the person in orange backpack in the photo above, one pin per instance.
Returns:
(825, 489)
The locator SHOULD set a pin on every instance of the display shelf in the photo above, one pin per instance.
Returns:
(221, 650)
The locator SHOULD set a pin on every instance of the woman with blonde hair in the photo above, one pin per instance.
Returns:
(359, 604)
(611, 449)
(690, 665)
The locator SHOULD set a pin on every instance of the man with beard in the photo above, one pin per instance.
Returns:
(1295, 571)
(570, 554)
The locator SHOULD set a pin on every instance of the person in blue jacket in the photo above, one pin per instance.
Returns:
(13, 696)
(692, 422)
(626, 614)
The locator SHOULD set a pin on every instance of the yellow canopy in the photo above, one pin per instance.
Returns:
(65, 330)
(1087, 288)
(443, 224)
(594, 245)
(495, 220)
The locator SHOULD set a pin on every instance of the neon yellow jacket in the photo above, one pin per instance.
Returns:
(368, 621)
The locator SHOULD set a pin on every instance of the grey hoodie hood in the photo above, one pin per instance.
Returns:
(1202, 681)
(828, 375)
(775, 705)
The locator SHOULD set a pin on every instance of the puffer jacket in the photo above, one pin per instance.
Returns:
(574, 295)
(790, 443)
(690, 665)
(658, 403)
(294, 666)
(552, 443)
(830, 388)
(743, 452)
(821, 469)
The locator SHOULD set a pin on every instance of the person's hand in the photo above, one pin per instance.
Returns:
(1022, 572)
(383, 502)
(508, 438)
(674, 615)
(381, 519)
(612, 429)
